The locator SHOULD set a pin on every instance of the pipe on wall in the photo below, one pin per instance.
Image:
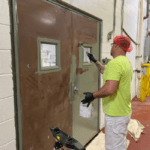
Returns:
(122, 14)
(148, 20)
(114, 22)
(139, 49)
(122, 29)
(147, 10)
(130, 37)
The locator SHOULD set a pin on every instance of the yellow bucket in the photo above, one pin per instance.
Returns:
(145, 87)
(143, 92)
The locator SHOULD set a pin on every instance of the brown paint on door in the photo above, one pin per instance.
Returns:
(45, 98)
(80, 70)
(86, 79)
(84, 30)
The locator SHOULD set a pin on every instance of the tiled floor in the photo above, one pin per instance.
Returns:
(140, 112)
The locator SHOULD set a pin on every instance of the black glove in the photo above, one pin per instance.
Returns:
(88, 98)
(91, 57)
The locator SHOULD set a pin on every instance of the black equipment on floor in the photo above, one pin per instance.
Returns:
(63, 139)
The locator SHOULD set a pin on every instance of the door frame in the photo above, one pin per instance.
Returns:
(15, 71)
(15, 60)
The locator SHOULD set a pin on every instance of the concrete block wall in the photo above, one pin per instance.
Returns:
(103, 9)
(7, 122)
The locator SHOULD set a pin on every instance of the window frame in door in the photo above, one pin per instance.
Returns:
(58, 54)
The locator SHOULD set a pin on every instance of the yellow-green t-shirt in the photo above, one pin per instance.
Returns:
(119, 103)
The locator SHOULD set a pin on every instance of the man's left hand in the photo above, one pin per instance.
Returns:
(88, 98)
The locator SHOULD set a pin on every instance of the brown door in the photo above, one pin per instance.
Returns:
(48, 38)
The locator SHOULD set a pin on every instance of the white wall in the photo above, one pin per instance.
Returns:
(144, 31)
(7, 124)
(103, 9)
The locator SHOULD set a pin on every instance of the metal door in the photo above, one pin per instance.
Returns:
(46, 96)
(85, 76)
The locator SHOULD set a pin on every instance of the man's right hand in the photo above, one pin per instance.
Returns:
(91, 57)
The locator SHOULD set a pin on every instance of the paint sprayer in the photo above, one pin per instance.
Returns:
(62, 139)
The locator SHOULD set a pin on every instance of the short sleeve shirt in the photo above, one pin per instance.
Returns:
(119, 103)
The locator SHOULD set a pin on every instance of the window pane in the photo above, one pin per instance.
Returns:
(86, 58)
(48, 55)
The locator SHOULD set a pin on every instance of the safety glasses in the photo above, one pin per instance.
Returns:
(112, 44)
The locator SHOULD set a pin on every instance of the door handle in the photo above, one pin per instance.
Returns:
(75, 89)
(71, 91)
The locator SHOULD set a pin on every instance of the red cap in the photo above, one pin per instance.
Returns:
(124, 42)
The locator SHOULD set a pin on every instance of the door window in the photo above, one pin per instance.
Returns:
(86, 58)
(48, 55)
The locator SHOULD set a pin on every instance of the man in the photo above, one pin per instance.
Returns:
(116, 94)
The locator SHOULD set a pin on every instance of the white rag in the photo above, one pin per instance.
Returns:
(135, 128)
